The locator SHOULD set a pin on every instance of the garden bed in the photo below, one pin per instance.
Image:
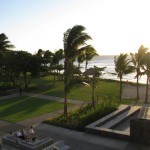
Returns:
(86, 114)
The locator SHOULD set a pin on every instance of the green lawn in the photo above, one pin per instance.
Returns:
(21, 108)
(45, 86)
(105, 89)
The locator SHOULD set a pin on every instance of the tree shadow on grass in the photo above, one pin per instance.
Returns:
(25, 107)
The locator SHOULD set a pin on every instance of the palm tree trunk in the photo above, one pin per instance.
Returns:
(93, 95)
(54, 78)
(137, 87)
(79, 65)
(25, 81)
(65, 105)
(147, 87)
(20, 91)
(120, 89)
(86, 63)
(66, 66)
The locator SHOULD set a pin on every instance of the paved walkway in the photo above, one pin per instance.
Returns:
(53, 98)
(83, 141)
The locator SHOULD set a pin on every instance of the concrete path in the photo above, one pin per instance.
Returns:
(53, 98)
(9, 96)
(83, 141)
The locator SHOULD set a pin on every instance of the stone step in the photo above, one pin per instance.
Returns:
(145, 112)
(121, 117)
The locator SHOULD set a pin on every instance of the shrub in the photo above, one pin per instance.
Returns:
(86, 114)
(5, 86)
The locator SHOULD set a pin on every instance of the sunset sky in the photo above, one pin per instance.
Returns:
(116, 26)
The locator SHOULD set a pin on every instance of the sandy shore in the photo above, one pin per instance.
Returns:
(129, 91)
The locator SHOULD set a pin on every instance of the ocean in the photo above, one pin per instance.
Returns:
(108, 62)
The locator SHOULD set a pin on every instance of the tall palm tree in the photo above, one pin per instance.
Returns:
(146, 70)
(122, 67)
(90, 52)
(5, 44)
(136, 59)
(74, 39)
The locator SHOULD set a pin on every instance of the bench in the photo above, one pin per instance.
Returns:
(11, 140)
(35, 145)
(38, 144)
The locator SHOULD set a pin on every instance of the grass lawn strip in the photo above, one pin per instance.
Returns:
(21, 108)
(104, 89)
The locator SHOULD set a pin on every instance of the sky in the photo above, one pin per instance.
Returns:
(116, 26)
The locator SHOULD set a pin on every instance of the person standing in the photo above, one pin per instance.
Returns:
(31, 132)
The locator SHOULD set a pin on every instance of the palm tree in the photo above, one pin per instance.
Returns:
(74, 39)
(47, 57)
(137, 62)
(146, 70)
(4, 43)
(40, 53)
(95, 72)
(80, 58)
(90, 52)
(57, 56)
(122, 67)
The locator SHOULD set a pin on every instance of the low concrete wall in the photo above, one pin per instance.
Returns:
(140, 131)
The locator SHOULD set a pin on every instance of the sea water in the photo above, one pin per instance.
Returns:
(108, 62)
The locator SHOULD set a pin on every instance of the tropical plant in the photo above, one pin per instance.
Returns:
(90, 52)
(47, 57)
(21, 65)
(146, 70)
(84, 115)
(80, 58)
(122, 67)
(57, 56)
(40, 53)
(5, 44)
(136, 59)
(93, 81)
(74, 39)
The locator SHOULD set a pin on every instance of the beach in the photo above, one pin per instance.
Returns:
(129, 91)
(108, 62)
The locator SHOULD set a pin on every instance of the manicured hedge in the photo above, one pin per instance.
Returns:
(79, 118)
